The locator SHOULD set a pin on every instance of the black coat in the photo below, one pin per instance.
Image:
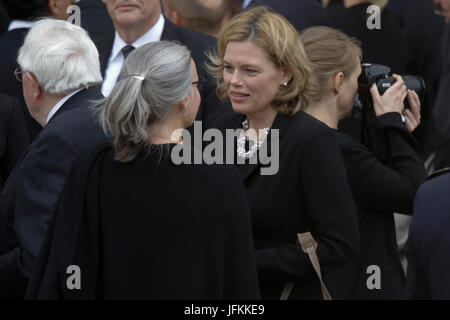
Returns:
(13, 135)
(94, 17)
(428, 247)
(385, 46)
(441, 115)
(381, 188)
(301, 14)
(308, 193)
(149, 229)
(425, 46)
(199, 44)
(4, 20)
(29, 196)
(10, 44)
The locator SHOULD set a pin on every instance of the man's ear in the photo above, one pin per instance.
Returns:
(338, 82)
(35, 87)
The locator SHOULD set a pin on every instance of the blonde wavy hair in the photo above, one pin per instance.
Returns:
(281, 42)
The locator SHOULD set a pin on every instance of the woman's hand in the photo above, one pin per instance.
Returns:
(391, 100)
(412, 116)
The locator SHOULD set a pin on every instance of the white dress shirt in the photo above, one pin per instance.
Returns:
(60, 103)
(116, 58)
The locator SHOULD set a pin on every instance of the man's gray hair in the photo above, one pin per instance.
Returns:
(61, 56)
(154, 77)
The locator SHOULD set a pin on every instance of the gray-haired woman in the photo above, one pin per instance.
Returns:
(133, 224)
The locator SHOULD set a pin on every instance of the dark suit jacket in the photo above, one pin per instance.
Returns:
(385, 46)
(94, 17)
(10, 44)
(425, 46)
(308, 193)
(4, 20)
(441, 114)
(301, 13)
(13, 135)
(28, 198)
(211, 107)
(428, 247)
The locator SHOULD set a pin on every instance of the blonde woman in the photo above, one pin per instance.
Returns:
(379, 186)
(262, 67)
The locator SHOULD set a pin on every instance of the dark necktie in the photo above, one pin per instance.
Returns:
(126, 51)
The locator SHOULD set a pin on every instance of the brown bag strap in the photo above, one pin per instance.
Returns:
(309, 246)
(287, 290)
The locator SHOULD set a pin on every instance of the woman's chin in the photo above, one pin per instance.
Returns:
(239, 108)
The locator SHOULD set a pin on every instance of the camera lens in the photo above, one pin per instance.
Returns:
(414, 83)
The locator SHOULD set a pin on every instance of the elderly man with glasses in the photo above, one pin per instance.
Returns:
(23, 14)
(60, 74)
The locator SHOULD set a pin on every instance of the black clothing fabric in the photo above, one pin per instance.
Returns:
(13, 284)
(441, 114)
(149, 229)
(95, 18)
(29, 195)
(301, 14)
(379, 189)
(309, 192)
(397, 9)
(386, 46)
(427, 249)
(10, 43)
(4, 20)
(13, 135)
(199, 44)
(424, 32)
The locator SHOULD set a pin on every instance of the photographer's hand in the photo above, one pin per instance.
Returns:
(412, 117)
(391, 100)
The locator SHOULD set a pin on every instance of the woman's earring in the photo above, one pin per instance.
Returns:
(186, 114)
(284, 84)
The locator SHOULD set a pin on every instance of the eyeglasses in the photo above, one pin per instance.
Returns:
(18, 74)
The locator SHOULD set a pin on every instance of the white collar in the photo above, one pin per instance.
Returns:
(60, 103)
(19, 24)
(152, 35)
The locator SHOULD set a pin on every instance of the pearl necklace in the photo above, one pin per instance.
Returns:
(241, 142)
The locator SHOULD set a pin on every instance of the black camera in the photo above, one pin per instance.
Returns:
(382, 77)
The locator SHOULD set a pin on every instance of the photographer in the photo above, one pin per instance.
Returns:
(379, 186)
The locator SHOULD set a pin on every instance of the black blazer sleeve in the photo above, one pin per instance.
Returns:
(385, 187)
(43, 176)
(331, 211)
(14, 139)
(329, 201)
